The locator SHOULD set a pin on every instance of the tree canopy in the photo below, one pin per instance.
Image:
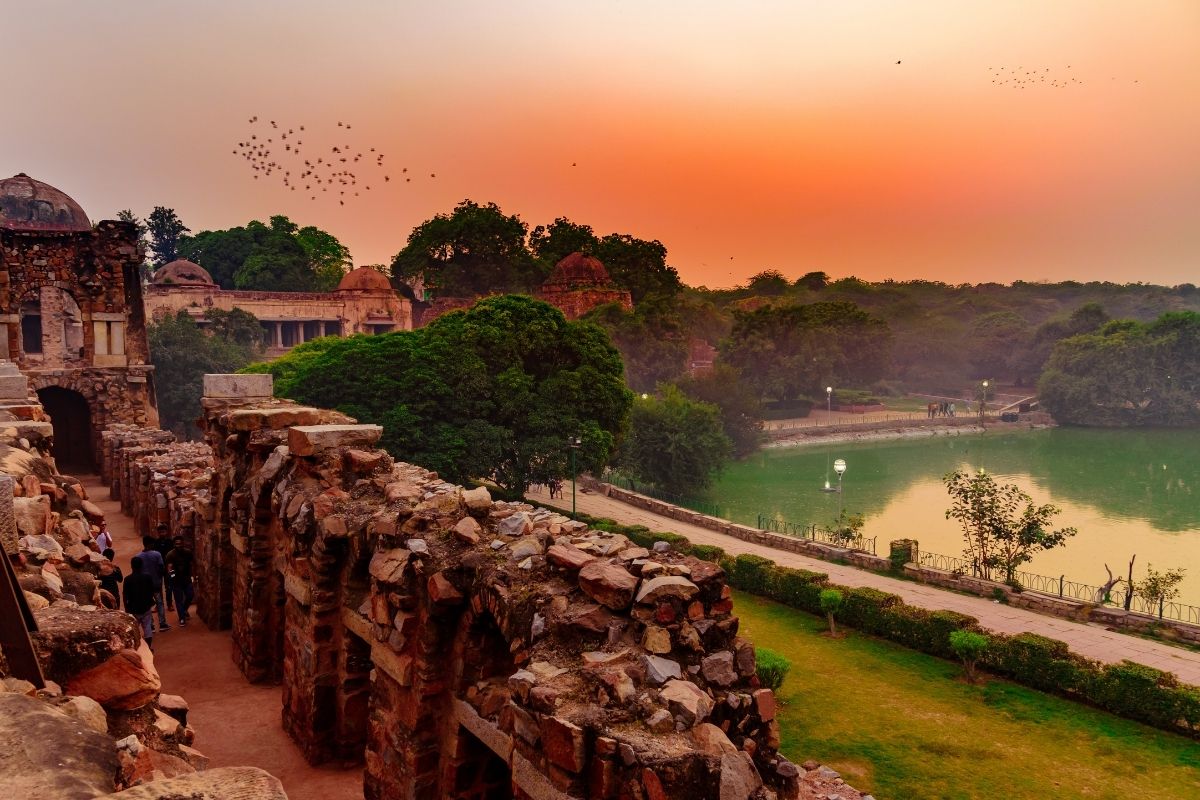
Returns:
(474, 250)
(490, 392)
(280, 256)
(166, 230)
(182, 353)
(676, 443)
(1127, 374)
(785, 352)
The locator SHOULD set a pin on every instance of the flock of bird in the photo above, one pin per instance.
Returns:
(1021, 78)
(279, 152)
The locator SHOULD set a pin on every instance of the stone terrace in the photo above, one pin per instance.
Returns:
(462, 647)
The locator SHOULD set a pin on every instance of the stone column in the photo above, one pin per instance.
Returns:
(278, 334)
(322, 323)
(53, 326)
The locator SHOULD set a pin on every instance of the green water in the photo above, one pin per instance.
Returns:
(1126, 491)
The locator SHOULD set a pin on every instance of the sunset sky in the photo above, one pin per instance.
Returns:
(744, 135)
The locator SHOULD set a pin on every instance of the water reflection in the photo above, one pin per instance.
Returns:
(1126, 491)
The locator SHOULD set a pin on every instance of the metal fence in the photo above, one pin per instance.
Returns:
(1072, 590)
(863, 544)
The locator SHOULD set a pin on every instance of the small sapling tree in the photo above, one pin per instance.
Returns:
(1159, 587)
(831, 604)
(1002, 527)
(772, 668)
(969, 646)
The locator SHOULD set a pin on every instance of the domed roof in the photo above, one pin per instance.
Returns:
(182, 272)
(365, 279)
(30, 205)
(579, 270)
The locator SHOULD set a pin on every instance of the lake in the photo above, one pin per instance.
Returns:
(1126, 491)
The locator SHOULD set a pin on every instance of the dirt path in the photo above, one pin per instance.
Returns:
(237, 724)
(1089, 640)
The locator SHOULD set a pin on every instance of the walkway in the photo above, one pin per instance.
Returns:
(236, 723)
(1086, 639)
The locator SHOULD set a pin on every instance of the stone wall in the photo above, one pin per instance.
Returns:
(458, 645)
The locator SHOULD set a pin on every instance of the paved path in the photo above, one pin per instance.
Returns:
(1086, 639)
(237, 723)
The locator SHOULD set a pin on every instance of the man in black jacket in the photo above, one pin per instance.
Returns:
(139, 599)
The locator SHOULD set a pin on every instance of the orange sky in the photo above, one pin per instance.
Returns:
(744, 135)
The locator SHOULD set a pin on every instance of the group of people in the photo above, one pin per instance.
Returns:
(160, 580)
(945, 408)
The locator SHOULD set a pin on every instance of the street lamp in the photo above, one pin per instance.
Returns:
(839, 467)
(829, 399)
(982, 400)
(574, 443)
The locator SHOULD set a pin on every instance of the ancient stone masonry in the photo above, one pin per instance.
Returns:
(463, 647)
(71, 314)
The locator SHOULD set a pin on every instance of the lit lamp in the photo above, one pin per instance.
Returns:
(982, 401)
(829, 399)
(839, 467)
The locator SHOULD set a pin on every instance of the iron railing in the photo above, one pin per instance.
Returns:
(863, 544)
(1066, 589)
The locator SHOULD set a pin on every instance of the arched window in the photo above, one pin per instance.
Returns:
(31, 327)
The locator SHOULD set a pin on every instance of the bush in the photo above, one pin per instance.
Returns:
(772, 668)
(969, 646)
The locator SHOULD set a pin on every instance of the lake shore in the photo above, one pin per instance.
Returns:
(818, 435)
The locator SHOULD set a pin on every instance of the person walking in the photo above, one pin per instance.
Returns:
(111, 576)
(104, 540)
(162, 543)
(140, 598)
(155, 569)
(179, 570)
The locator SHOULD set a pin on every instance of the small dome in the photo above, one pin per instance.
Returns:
(365, 279)
(182, 272)
(579, 270)
(30, 205)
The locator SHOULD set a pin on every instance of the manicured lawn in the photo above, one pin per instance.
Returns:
(901, 725)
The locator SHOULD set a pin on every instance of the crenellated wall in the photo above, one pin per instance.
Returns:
(462, 647)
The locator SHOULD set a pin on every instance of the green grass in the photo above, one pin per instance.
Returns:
(901, 724)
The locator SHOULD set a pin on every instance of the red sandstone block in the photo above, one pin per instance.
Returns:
(563, 743)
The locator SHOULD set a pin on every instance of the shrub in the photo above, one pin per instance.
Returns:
(831, 604)
(969, 646)
(772, 667)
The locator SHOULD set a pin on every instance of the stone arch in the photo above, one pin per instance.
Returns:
(71, 415)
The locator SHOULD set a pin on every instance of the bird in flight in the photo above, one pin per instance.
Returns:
(897, 62)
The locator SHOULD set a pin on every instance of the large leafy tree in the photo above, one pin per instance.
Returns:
(651, 338)
(554, 242)
(1127, 374)
(165, 229)
(1002, 527)
(676, 443)
(1087, 318)
(474, 250)
(638, 265)
(279, 256)
(741, 410)
(788, 351)
(491, 392)
(182, 353)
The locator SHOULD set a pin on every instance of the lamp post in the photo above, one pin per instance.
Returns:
(839, 467)
(982, 400)
(574, 443)
(829, 399)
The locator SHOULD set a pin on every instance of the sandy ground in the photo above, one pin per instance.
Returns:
(236, 723)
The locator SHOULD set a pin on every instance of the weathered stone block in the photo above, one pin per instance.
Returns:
(306, 440)
(238, 387)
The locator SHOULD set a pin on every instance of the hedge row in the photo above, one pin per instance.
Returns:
(1127, 689)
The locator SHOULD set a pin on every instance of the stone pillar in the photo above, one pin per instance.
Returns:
(8, 522)
(322, 324)
(903, 551)
(53, 326)
(277, 334)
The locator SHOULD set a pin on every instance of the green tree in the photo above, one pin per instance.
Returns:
(554, 242)
(639, 265)
(741, 410)
(237, 326)
(813, 281)
(165, 229)
(1127, 374)
(770, 283)
(831, 603)
(1159, 587)
(182, 353)
(996, 342)
(279, 256)
(771, 667)
(651, 338)
(474, 250)
(675, 443)
(490, 392)
(1002, 527)
(969, 647)
(1088, 318)
(789, 351)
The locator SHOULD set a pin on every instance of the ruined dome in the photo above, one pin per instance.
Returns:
(182, 272)
(30, 205)
(365, 279)
(579, 270)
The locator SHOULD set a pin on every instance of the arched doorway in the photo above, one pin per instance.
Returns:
(72, 420)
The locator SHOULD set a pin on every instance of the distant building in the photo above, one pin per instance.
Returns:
(71, 315)
(364, 302)
(701, 356)
(580, 283)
